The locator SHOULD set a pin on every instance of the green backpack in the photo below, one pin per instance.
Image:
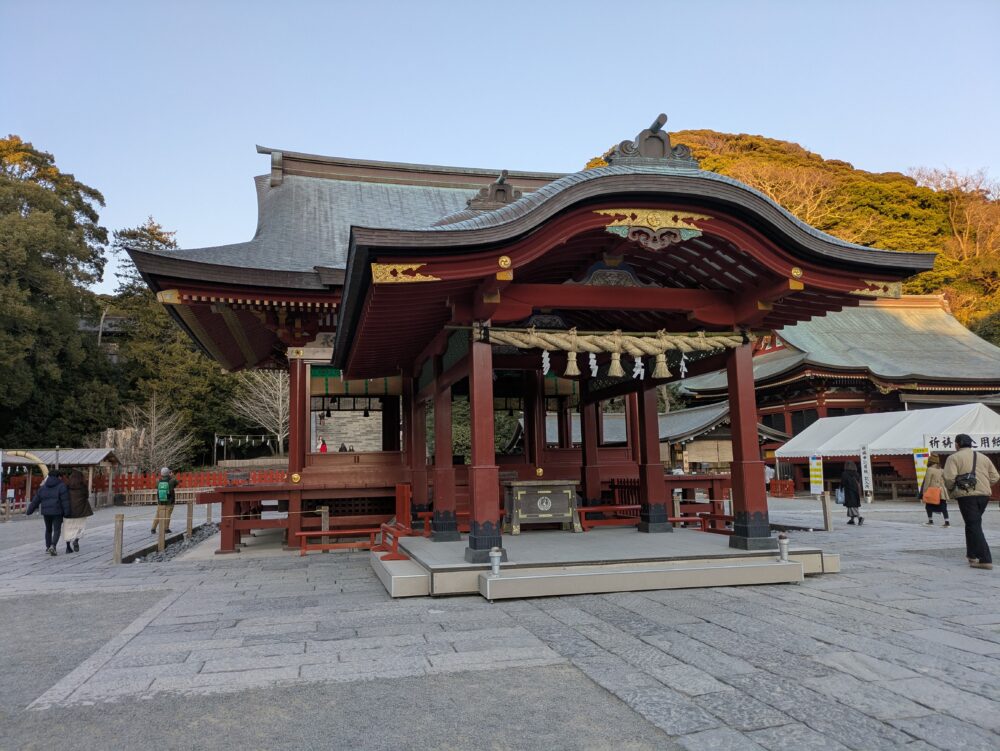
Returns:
(163, 491)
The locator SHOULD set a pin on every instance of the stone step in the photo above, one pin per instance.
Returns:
(598, 579)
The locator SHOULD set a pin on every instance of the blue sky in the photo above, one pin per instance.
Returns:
(159, 104)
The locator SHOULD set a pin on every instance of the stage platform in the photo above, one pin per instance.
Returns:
(550, 563)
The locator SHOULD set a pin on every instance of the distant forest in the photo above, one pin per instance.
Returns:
(927, 210)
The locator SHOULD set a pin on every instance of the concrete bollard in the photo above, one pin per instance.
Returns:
(119, 537)
(324, 515)
(496, 555)
(190, 520)
(208, 513)
(783, 547)
(827, 512)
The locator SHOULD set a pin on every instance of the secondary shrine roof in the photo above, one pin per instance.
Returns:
(675, 426)
(913, 338)
(306, 208)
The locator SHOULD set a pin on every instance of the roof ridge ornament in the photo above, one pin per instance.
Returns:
(652, 146)
(498, 193)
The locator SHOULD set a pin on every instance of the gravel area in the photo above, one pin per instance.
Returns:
(175, 549)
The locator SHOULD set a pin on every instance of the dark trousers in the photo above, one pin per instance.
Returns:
(942, 507)
(972, 508)
(53, 528)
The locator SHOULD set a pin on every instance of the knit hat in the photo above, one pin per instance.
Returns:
(165, 471)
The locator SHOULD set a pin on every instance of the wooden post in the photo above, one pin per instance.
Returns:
(208, 513)
(827, 513)
(119, 537)
(190, 519)
(418, 457)
(161, 528)
(444, 523)
(565, 424)
(590, 470)
(652, 485)
(534, 418)
(297, 429)
(484, 475)
(324, 515)
(632, 409)
(751, 528)
(390, 423)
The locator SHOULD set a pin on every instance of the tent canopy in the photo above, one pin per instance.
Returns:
(895, 433)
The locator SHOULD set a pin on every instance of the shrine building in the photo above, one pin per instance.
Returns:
(401, 290)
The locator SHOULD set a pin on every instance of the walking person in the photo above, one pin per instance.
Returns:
(933, 492)
(165, 497)
(53, 501)
(850, 483)
(969, 477)
(79, 504)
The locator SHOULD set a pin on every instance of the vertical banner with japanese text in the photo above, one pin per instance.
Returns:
(920, 457)
(866, 472)
(816, 475)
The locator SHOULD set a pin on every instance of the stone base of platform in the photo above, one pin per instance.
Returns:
(544, 564)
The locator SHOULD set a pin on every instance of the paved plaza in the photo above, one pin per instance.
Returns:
(900, 650)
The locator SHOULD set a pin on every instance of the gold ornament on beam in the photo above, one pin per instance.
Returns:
(400, 273)
(874, 288)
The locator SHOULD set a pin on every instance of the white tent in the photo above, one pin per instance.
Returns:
(896, 433)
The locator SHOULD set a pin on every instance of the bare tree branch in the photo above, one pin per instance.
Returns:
(262, 399)
(153, 436)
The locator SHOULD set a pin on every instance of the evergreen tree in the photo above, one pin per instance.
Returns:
(54, 386)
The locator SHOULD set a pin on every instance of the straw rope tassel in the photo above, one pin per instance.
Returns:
(616, 371)
(660, 370)
(571, 367)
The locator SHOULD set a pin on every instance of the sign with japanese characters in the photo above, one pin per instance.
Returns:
(816, 475)
(920, 457)
(946, 441)
(866, 471)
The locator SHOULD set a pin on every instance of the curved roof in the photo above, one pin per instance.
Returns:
(665, 182)
(914, 338)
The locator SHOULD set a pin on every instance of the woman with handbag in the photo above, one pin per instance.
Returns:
(79, 502)
(933, 492)
(850, 481)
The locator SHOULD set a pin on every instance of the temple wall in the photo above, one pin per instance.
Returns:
(351, 428)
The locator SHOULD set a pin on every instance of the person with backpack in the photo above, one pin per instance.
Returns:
(969, 480)
(53, 500)
(165, 497)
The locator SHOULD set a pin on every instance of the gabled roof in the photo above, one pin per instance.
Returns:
(913, 338)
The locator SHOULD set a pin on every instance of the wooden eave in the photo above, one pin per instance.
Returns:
(447, 275)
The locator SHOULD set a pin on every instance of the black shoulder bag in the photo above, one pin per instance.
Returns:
(967, 480)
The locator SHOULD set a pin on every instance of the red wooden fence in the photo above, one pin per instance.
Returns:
(127, 482)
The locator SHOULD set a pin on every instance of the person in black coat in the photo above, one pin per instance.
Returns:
(53, 500)
(850, 483)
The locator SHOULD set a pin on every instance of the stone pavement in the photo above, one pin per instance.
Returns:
(900, 650)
